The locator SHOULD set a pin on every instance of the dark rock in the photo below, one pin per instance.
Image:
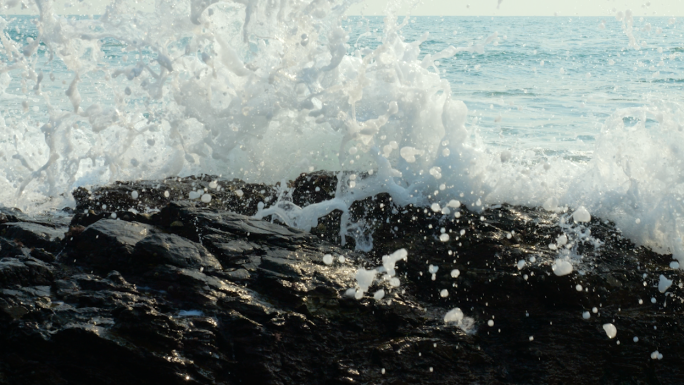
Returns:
(9, 214)
(12, 249)
(313, 188)
(24, 272)
(236, 195)
(187, 292)
(108, 244)
(191, 221)
(33, 234)
(43, 255)
(17, 303)
(177, 251)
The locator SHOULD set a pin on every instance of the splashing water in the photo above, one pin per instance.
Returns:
(264, 90)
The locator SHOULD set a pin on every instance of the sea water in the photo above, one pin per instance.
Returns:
(559, 112)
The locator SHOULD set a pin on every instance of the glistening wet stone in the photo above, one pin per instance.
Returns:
(194, 292)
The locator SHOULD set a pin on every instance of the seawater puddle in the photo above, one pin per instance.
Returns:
(549, 112)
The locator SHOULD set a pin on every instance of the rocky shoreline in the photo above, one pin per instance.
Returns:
(140, 284)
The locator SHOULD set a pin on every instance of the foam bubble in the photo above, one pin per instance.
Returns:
(610, 329)
(453, 316)
(561, 267)
(364, 278)
(664, 283)
(581, 215)
(194, 194)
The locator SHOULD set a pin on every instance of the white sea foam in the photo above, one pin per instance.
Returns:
(610, 329)
(265, 90)
(664, 283)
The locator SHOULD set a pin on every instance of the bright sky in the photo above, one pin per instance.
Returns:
(446, 7)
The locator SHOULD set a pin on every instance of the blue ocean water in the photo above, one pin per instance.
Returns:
(552, 81)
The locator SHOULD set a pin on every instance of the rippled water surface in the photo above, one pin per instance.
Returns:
(552, 81)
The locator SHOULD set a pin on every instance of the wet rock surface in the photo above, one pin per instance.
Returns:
(155, 287)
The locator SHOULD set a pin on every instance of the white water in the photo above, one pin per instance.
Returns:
(263, 90)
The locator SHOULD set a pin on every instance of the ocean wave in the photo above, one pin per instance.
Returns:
(264, 91)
